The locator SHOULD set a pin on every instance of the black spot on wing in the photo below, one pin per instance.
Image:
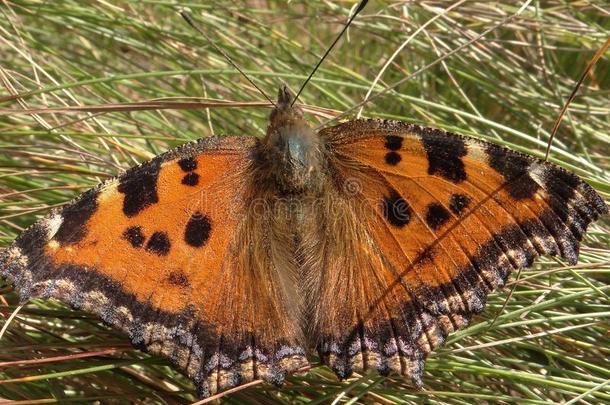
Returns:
(426, 255)
(139, 185)
(178, 278)
(190, 179)
(445, 154)
(187, 164)
(158, 244)
(396, 210)
(393, 142)
(437, 215)
(197, 231)
(73, 227)
(514, 168)
(458, 203)
(134, 236)
(393, 158)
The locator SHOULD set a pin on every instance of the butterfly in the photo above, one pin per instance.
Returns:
(368, 242)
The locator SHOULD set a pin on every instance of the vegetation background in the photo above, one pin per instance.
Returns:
(549, 343)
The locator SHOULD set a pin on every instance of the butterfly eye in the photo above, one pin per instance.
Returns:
(297, 150)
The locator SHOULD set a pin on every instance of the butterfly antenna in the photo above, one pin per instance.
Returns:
(187, 17)
(358, 10)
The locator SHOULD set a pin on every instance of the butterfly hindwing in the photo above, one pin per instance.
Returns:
(439, 221)
(157, 253)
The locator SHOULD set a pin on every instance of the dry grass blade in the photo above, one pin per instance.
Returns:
(592, 63)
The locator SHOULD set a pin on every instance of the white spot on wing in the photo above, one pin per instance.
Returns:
(109, 190)
(475, 150)
(538, 173)
(52, 225)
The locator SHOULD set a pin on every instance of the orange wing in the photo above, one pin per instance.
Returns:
(156, 253)
(436, 222)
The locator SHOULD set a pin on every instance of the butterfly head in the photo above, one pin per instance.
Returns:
(292, 147)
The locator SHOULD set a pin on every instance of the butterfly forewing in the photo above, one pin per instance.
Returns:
(440, 221)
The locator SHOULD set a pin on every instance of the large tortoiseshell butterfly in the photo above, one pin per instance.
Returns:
(367, 242)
